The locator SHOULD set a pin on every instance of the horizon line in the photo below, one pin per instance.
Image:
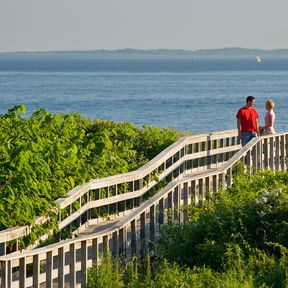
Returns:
(140, 49)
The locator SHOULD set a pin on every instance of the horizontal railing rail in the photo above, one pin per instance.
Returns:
(135, 233)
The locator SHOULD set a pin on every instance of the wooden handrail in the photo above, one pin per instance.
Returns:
(137, 175)
(261, 153)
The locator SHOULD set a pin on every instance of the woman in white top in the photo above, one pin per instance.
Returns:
(269, 118)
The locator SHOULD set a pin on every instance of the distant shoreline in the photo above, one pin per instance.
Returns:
(226, 53)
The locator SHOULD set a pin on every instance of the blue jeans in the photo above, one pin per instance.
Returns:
(247, 136)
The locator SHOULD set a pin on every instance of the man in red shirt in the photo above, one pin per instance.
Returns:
(247, 121)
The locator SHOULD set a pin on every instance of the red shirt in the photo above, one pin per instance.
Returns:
(248, 119)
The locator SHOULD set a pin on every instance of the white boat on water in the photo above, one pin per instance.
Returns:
(258, 59)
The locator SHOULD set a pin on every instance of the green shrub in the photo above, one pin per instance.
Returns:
(250, 214)
(44, 156)
(106, 275)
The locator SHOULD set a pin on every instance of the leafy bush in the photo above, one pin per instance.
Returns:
(250, 214)
(153, 140)
(44, 156)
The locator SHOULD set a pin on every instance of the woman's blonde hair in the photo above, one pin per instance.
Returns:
(270, 103)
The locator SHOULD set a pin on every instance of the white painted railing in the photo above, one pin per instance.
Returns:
(119, 194)
(58, 263)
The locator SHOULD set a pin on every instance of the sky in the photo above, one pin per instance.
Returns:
(58, 25)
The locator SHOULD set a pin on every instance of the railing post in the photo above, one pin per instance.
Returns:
(193, 193)
(201, 192)
(116, 193)
(22, 272)
(161, 212)
(208, 188)
(6, 274)
(277, 152)
(122, 241)
(182, 201)
(254, 158)
(169, 207)
(2, 248)
(176, 205)
(215, 184)
(84, 258)
(185, 200)
(89, 214)
(133, 238)
(72, 266)
(266, 153)
(283, 155)
(115, 244)
(152, 225)
(61, 277)
(36, 271)
(2, 274)
(248, 161)
(141, 185)
(229, 177)
(223, 181)
(70, 213)
(142, 234)
(271, 160)
(105, 245)
(49, 269)
(9, 274)
(259, 154)
(95, 252)
(59, 221)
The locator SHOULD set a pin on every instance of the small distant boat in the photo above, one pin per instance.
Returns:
(258, 59)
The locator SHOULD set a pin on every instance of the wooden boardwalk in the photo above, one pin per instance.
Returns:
(189, 171)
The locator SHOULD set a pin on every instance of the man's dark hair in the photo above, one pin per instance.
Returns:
(250, 98)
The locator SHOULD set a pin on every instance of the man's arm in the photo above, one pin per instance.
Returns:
(257, 127)
(239, 128)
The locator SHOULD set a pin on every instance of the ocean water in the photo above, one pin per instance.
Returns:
(189, 95)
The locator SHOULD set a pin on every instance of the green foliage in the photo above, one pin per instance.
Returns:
(237, 240)
(136, 274)
(107, 275)
(153, 140)
(44, 156)
(248, 223)
(161, 184)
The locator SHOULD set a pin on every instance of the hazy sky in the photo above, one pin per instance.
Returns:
(42, 25)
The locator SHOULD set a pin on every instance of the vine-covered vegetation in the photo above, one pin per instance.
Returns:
(44, 156)
(239, 239)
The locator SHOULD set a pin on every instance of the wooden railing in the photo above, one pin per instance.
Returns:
(66, 263)
(120, 194)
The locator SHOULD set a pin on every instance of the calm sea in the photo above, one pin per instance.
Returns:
(194, 95)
